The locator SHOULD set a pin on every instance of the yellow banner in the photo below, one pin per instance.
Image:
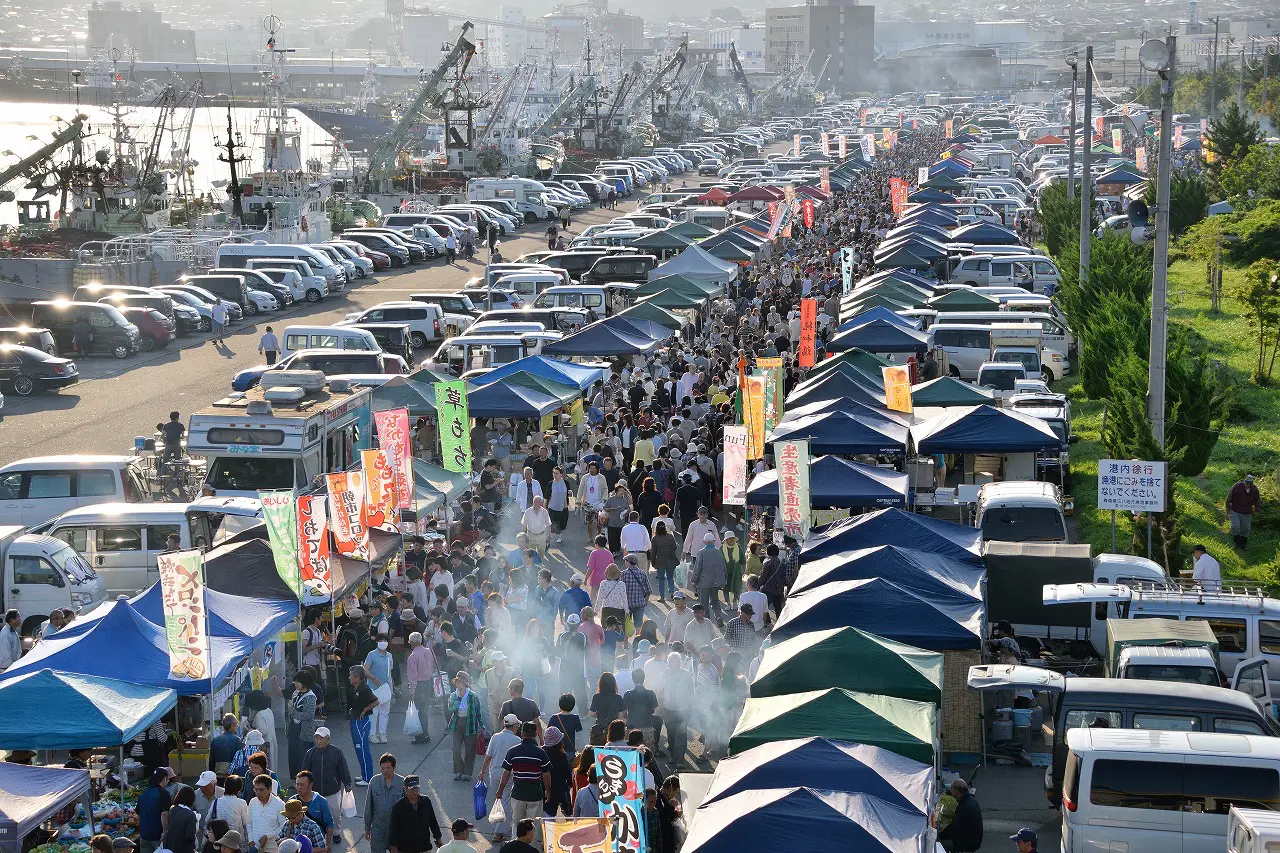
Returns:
(753, 416)
(897, 388)
(575, 412)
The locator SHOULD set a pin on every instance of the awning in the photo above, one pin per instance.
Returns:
(255, 619)
(653, 313)
(84, 710)
(31, 795)
(868, 364)
(984, 429)
(833, 385)
(948, 391)
(849, 659)
(433, 487)
(986, 234)
(402, 392)
(563, 372)
(879, 312)
(880, 336)
(505, 400)
(963, 300)
(905, 529)
(668, 299)
(844, 433)
(914, 569)
(697, 263)
(870, 378)
(837, 482)
(597, 339)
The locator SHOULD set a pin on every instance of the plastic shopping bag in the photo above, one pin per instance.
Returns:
(480, 797)
(412, 725)
(497, 814)
(348, 804)
(681, 574)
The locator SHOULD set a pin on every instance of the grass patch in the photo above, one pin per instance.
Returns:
(1250, 443)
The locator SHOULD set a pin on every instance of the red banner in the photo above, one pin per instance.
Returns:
(898, 194)
(393, 437)
(807, 353)
(313, 540)
(347, 514)
(806, 207)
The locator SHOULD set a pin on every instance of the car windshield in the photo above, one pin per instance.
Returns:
(239, 473)
(1023, 524)
(1183, 674)
(73, 564)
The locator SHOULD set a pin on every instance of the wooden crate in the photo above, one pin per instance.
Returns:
(960, 719)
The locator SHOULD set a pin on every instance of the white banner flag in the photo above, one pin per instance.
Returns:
(185, 617)
(793, 488)
(735, 466)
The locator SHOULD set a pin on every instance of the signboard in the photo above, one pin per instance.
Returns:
(898, 194)
(825, 171)
(807, 352)
(826, 144)
(1140, 157)
(1117, 139)
(313, 543)
(868, 144)
(897, 387)
(846, 270)
(775, 218)
(621, 782)
(793, 487)
(795, 143)
(806, 207)
(1098, 125)
(734, 491)
(1177, 137)
(280, 512)
(455, 426)
(382, 504)
(950, 128)
(186, 625)
(346, 514)
(578, 835)
(1134, 486)
(922, 176)
(753, 415)
(843, 146)
(393, 436)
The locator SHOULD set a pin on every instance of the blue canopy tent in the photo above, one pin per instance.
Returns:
(902, 276)
(879, 312)
(904, 529)
(833, 385)
(831, 765)
(256, 619)
(986, 234)
(837, 482)
(776, 818)
(639, 327)
(941, 217)
(564, 372)
(124, 641)
(919, 243)
(842, 404)
(870, 382)
(984, 429)
(91, 711)
(924, 229)
(1120, 176)
(29, 796)
(508, 400)
(598, 339)
(879, 335)
(928, 194)
(951, 165)
(887, 609)
(841, 432)
(917, 570)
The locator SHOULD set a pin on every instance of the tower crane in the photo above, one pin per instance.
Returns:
(384, 157)
(670, 69)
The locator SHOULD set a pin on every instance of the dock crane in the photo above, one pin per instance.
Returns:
(672, 68)
(578, 94)
(384, 157)
(817, 81)
(740, 75)
(29, 166)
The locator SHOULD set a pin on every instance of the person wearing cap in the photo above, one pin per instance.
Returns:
(207, 791)
(152, 809)
(1025, 839)
(573, 599)
(497, 682)
(527, 767)
(1243, 500)
(460, 829)
(253, 742)
(964, 833)
(491, 770)
(708, 573)
(700, 528)
(1205, 570)
(413, 821)
(740, 634)
(377, 668)
(299, 826)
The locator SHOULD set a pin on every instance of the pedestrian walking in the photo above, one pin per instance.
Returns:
(218, 320)
(1243, 500)
(362, 707)
(527, 767)
(384, 792)
(451, 248)
(269, 346)
(327, 766)
(413, 821)
(465, 723)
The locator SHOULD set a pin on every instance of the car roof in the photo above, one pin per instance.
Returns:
(67, 459)
(326, 352)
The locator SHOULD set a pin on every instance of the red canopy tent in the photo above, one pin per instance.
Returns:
(715, 195)
(757, 193)
(1050, 140)
(812, 192)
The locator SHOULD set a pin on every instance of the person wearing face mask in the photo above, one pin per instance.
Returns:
(377, 665)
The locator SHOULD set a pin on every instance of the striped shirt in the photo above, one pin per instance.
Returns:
(527, 762)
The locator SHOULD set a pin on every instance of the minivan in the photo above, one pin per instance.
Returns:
(426, 322)
(594, 299)
(1055, 335)
(295, 338)
(34, 490)
(1020, 511)
(392, 337)
(124, 295)
(295, 275)
(1083, 704)
(968, 347)
(485, 351)
(122, 540)
(984, 270)
(28, 336)
(112, 333)
(630, 268)
(1167, 790)
(564, 320)
(235, 254)
(230, 287)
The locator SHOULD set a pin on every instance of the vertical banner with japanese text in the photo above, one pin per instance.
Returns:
(806, 355)
(346, 514)
(734, 492)
(898, 195)
(825, 183)
(868, 144)
(897, 387)
(455, 426)
(621, 782)
(1099, 124)
(576, 835)
(771, 370)
(795, 144)
(753, 416)
(1117, 139)
(382, 504)
(313, 542)
(950, 128)
(1140, 158)
(1177, 137)
(393, 436)
(842, 146)
(793, 487)
(826, 144)
(775, 218)
(280, 512)
(186, 620)
(806, 208)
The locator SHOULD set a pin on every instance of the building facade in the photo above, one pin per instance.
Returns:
(842, 31)
(142, 29)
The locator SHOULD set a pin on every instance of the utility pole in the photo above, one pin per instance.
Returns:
(231, 159)
(1074, 62)
(1158, 353)
(1213, 71)
(1086, 194)
(1240, 90)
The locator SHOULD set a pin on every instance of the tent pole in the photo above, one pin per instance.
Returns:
(122, 774)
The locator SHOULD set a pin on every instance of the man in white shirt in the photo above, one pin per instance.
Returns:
(10, 639)
(265, 815)
(758, 600)
(699, 633)
(635, 540)
(677, 619)
(524, 490)
(1205, 570)
(698, 528)
(537, 522)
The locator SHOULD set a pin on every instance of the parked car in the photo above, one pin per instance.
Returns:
(29, 336)
(329, 362)
(112, 334)
(27, 370)
(157, 330)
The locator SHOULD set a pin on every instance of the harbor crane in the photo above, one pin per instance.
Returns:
(740, 75)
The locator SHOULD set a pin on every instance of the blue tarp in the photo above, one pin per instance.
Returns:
(258, 619)
(950, 165)
(984, 429)
(76, 710)
(564, 372)
(879, 336)
(124, 642)
(598, 339)
(29, 796)
(879, 312)
(904, 529)
(886, 609)
(845, 433)
(778, 818)
(910, 568)
(837, 482)
(507, 400)
(828, 764)
(986, 234)
(832, 385)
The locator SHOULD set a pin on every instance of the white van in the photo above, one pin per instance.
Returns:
(596, 300)
(35, 490)
(1020, 511)
(122, 540)
(712, 217)
(295, 275)
(526, 194)
(295, 338)
(427, 322)
(480, 352)
(1156, 791)
(968, 347)
(986, 270)
(529, 284)
(237, 255)
(1054, 333)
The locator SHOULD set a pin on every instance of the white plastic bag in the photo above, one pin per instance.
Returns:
(412, 725)
(348, 804)
(497, 814)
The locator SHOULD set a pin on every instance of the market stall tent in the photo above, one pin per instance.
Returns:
(245, 566)
(778, 818)
(903, 726)
(868, 364)
(677, 281)
(639, 326)
(403, 392)
(831, 765)
(841, 432)
(986, 234)
(434, 487)
(850, 660)
(563, 372)
(845, 404)
(504, 400)
(984, 429)
(901, 276)
(255, 619)
(879, 313)
(599, 340)
(837, 482)
(905, 529)
(831, 386)
(673, 300)
(948, 391)
(930, 195)
(31, 795)
(920, 571)
(654, 313)
(963, 300)
(697, 263)
(84, 710)
(880, 336)
(871, 381)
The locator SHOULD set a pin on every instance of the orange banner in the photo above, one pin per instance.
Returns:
(898, 195)
(346, 514)
(950, 127)
(807, 353)
(897, 388)
(382, 507)
(313, 542)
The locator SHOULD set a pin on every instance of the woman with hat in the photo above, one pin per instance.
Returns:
(230, 842)
(734, 561)
(560, 797)
(465, 721)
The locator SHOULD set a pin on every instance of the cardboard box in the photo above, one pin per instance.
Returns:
(190, 765)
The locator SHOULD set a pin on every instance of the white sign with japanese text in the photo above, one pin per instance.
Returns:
(1134, 486)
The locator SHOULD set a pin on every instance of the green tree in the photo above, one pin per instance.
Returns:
(1059, 217)
(1231, 135)
(1259, 293)
(1116, 329)
(1252, 234)
(1256, 175)
(1116, 266)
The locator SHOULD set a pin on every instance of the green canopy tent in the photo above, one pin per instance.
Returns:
(707, 286)
(853, 307)
(433, 486)
(867, 363)
(565, 393)
(942, 181)
(692, 230)
(663, 243)
(948, 391)
(677, 283)
(893, 288)
(963, 300)
(673, 299)
(648, 310)
(730, 251)
(405, 392)
(851, 660)
(904, 726)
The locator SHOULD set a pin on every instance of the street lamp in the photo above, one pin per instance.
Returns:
(1074, 62)
(1160, 57)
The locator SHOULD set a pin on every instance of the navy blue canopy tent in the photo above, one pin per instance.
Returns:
(833, 385)
(908, 257)
(942, 217)
(879, 336)
(986, 234)
(918, 570)
(833, 765)
(842, 432)
(984, 429)
(598, 339)
(887, 609)
(843, 404)
(879, 312)
(924, 229)
(950, 164)
(1120, 175)
(508, 400)
(639, 327)
(29, 796)
(90, 711)
(563, 372)
(837, 482)
(919, 243)
(775, 818)
(930, 194)
(904, 529)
